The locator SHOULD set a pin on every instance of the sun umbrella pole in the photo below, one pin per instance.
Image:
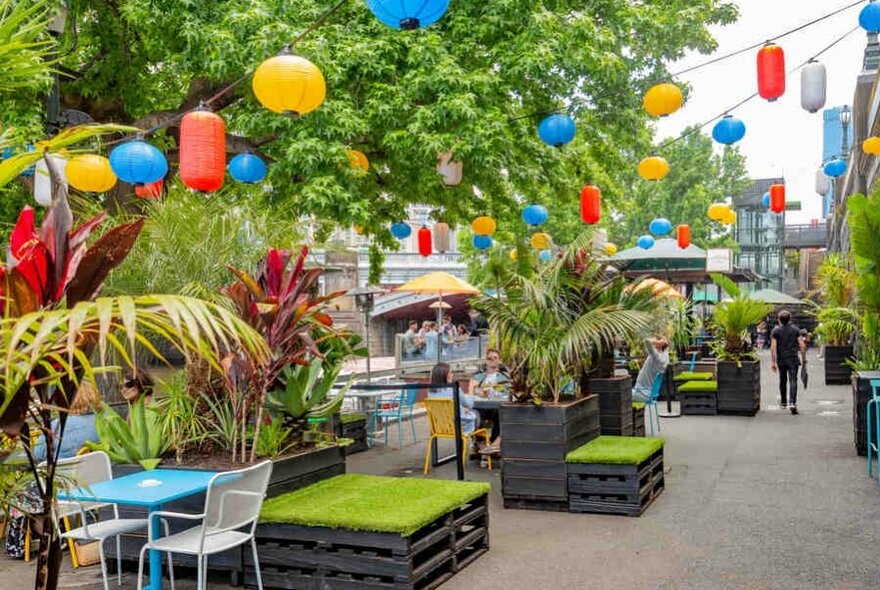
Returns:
(439, 325)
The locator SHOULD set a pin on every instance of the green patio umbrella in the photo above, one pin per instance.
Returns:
(665, 256)
(774, 297)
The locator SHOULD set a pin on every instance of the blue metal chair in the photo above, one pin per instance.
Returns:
(873, 443)
(651, 404)
(399, 407)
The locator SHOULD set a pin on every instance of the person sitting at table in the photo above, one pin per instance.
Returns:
(431, 337)
(655, 364)
(463, 333)
(411, 343)
(442, 373)
(493, 379)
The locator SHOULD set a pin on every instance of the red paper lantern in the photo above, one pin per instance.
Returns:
(591, 204)
(425, 242)
(777, 198)
(684, 236)
(202, 151)
(771, 72)
(149, 191)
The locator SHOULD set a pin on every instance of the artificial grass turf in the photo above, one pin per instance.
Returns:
(399, 505)
(616, 450)
(638, 405)
(349, 417)
(693, 376)
(698, 386)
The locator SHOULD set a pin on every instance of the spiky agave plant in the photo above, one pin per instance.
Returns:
(733, 318)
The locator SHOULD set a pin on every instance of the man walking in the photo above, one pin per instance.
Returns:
(785, 347)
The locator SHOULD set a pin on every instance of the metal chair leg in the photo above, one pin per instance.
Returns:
(400, 429)
(103, 564)
(259, 575)
(141, 567)
(868, 436)
(118, 561)
(170, 555)
(412, 423)
(199, 572)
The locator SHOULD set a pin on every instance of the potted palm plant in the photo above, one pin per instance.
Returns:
(552, 328)
(739, 369)
(837, 320)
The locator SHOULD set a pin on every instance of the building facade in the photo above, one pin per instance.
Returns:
(837, 133)
(760, 235)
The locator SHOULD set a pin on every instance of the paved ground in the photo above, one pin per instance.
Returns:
(771, 502)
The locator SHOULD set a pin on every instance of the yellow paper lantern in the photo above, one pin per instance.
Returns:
(871, 146)
(610, 249)
(483, 226)
(663, 99)
(513, 254)
(359, 230)
(540, 241)
(289, 84)
(717, 211)
(729, 217)
(90, 173)
(653, 168)
(358, 160)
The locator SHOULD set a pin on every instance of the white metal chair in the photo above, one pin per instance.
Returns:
(232, 509)
(83, 471)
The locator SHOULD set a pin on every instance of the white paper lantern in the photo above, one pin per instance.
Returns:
(823, 183)
(450, 170)
(42, 181)
(441, 237)
(813, 85)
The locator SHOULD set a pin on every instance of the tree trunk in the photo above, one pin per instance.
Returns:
(49, 555)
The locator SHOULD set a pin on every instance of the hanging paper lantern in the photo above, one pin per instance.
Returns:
(43, 193)
(289, 84)
(777, 198)
(663, 99)
(645, 242)
(728, 130)
(729, 217)
(766, 200)
(401, 230)
(660, 226)
(202, 151)
(150, 191)
(591, 204)
(557, 130)
(813, 86)
(546, 255)
(451, 170)
(610, 249)
(90, 173)
(358, 160)
(869, 17)
(247, 168)
(835, 168)
(10, 151)
(823, 183)
(653, 168)
(358, 229)
(513, 255)
(871, 146)
(408, 14)
(771, 72)
(683, 236)
(717, 211)
(540, 241)
(424, 237)
(483, 226)
(441, 237)
(535, 214)
(483, 242)
(137, 162)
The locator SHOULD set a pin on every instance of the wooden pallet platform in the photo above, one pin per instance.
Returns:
(615, 489)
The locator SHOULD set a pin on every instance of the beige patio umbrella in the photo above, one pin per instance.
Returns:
(660, 288)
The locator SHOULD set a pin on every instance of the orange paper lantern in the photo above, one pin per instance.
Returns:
(425, 242)
(684, 236)
(777, 198)
(149, 191)
(591, 204)
(771, 72)
(202, 151)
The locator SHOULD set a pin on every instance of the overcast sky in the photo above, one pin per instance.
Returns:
(781, 138)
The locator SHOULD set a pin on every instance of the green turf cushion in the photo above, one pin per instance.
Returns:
(616, 450)
(399, 505)
(638, 405)
(350, 417)
(693, 376)
(695, 386)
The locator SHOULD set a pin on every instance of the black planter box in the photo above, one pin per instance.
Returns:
(294, 557)
(288, 474)
(353, 429)
(836, 370)
(861, 387)
(638, 421)
(615, 489)
(534, 442)
(739, 387)
(615, 404)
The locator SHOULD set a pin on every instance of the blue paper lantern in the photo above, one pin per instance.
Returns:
(660, 226)
(247, 168)
(535, 214)
(728, 130)
(835, 168)
(137, 162)
(869, 18)
(482, 242)
(557, 130)
(645, 242)
(408, 14)
(401, 230)
(546, 255)
(766, 200)
(10, 151)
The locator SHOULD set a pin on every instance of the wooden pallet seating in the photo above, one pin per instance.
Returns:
(638, 410)
(354, 426)
(615, 475)
(698, 398)
(371, 533)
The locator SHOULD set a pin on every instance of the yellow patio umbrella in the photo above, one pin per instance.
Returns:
(658, 287)
(438, 283)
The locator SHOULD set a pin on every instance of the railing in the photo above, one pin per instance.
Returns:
(806, 236)
(471, 349)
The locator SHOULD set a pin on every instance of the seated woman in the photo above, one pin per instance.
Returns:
(493, 380)
(442, 373)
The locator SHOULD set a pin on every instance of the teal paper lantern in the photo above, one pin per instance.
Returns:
(535, 214)
(645, 242)
(408, 14)
(557, 130)
(138, 163)
(482, 242)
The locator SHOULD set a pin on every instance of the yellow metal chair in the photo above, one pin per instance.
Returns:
(441, 419)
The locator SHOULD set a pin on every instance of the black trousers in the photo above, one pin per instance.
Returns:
(788, 377)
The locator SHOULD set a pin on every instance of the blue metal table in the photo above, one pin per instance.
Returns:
(142, 489)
